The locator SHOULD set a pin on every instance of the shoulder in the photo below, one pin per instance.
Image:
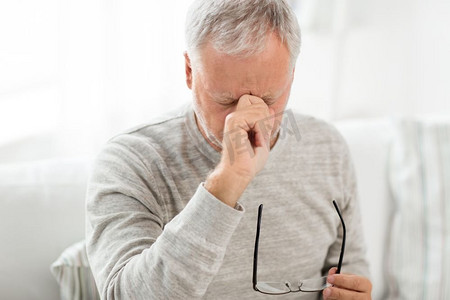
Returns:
(167, 124)
(165, 129)
(149, 142)
(317, 132)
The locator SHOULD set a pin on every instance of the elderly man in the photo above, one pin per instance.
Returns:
(165, 203)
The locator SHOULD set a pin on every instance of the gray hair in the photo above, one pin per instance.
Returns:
(240, 27)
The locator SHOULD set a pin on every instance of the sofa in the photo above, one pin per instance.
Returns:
(42, 212)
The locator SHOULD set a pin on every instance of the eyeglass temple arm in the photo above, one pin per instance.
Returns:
(341, 256)
(255, 254)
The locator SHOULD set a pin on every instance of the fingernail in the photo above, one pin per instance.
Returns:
(327, 292)
(331, 279)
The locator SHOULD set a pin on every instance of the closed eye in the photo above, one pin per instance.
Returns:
(269, 101)
(228, 102)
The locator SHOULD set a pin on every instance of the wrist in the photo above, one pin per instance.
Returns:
(226, 185)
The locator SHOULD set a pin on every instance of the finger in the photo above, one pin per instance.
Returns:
(261, 135)
(350, 282)
(254, 116)
(248, 117)
(248, 100)
(245, 119)
(333, 293)
(269, 125)
(251, 98)
(332, 271)
(243, 102)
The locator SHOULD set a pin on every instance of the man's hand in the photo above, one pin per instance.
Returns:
(246, 138)
(246, 147)
(346, 286)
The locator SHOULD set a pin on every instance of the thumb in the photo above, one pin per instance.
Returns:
(271, 122)
(272, 114)
(332, 271)
(265, 129)
(244, 102)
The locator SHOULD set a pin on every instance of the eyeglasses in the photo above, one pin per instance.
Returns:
(307, 285)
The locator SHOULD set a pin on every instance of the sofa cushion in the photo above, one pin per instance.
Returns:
(369, 141)
(419, 173)
(41, 213)
(73, 273)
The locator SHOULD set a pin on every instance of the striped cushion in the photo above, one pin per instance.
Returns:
(418, 259)
(74, 275)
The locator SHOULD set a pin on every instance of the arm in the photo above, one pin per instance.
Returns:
(132, 252)
(135, 251)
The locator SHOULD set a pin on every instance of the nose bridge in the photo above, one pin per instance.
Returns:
(250, 89)
(250, 84)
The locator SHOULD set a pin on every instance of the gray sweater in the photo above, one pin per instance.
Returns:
(154, 232)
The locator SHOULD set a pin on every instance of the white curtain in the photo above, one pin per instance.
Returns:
(126, 65)
(82, 71)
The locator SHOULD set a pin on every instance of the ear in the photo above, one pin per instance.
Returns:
(188, 70)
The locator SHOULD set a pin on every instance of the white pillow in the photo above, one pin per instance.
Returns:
(73, 273)
(419, 173)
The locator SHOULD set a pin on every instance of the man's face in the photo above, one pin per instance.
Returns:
(219, 80)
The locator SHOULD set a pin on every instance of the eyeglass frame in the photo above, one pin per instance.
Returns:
(255, 253)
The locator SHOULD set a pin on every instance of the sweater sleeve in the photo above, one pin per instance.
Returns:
(133, 250)
(354, 261)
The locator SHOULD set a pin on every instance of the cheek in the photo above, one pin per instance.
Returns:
(215, 115)
(220, 115)
(279, 106)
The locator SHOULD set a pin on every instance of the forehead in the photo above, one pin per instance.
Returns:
(263, 74)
